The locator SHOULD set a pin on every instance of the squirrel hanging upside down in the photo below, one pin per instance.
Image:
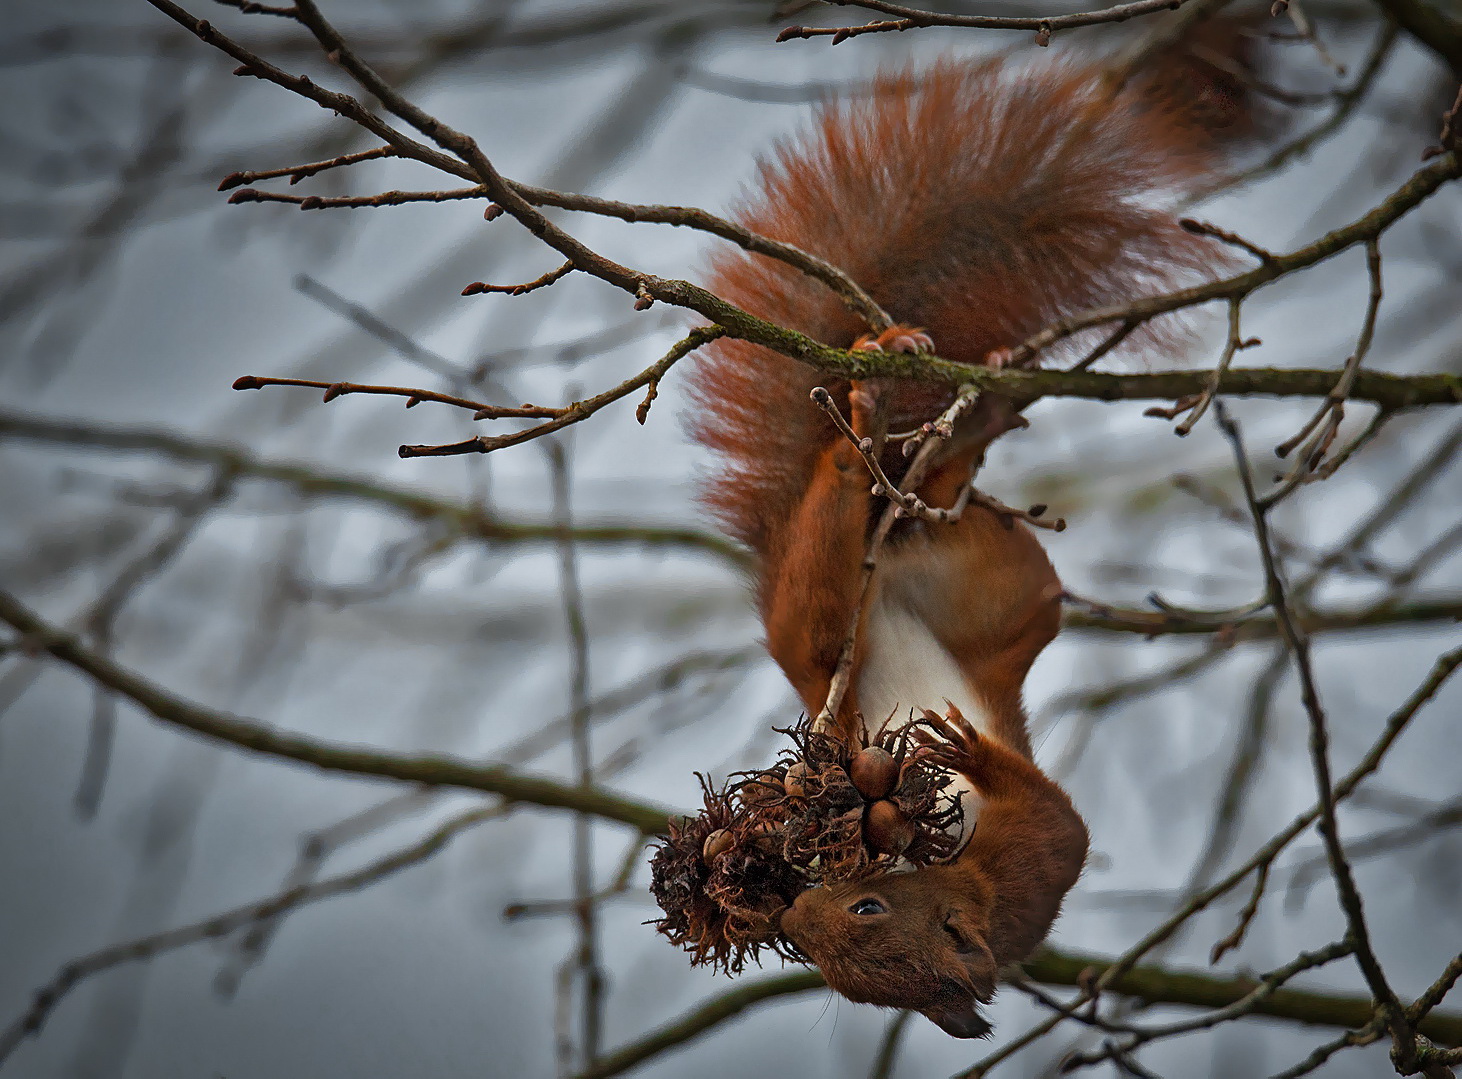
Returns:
(977, 202)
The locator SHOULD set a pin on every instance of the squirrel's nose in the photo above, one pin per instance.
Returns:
(789, 920)
(794, 919)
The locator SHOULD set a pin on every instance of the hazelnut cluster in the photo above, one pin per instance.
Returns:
(721, 885)
(826, 811)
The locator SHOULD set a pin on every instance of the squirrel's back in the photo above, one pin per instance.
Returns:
(977, 200)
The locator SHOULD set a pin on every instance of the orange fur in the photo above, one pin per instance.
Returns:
(944, 931)
(979, 203)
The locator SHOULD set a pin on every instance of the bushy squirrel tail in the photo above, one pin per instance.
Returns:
(979, 201)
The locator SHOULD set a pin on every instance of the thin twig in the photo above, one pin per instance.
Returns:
(1232, 344)
(413, 396)
(296, 173)
(586, 957)
(354, 202)
(924, 451)
(1266, 987)
(576, 412)
(907, 18)
(477, 288)
(221, 925)
(1321, 428)
(1366, 1035)
(1306, 31)
(1298, 645)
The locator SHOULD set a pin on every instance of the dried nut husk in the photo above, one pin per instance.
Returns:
(874, 772)
(795, 782)
(716, 844)
(886, 830)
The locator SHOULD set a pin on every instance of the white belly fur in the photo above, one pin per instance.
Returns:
(908, 669)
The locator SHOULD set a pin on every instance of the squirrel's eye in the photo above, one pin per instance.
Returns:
(868, 906)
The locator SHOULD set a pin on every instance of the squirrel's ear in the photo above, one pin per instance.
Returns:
(969, 982)
(960, 1021)
(976, 964)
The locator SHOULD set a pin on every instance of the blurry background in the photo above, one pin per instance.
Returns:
(343, 597)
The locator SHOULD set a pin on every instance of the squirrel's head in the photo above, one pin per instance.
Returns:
(902, 940)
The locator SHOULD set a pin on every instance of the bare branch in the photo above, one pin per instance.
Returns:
(413, 396)
(296, 173)
(907, 18)
(354, 202)
(258, 738)
(579, 410)
(1298, 645)
(471, 520)
(1346, 104)
(221, 925)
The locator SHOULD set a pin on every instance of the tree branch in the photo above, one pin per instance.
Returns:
(1421, 185)
(258, 738)
(1298, 644)
(464, 158)
(1382, 615)
(1430, 24)
(307, 480)
(223, 924)
(907, 18)
(1049, 966)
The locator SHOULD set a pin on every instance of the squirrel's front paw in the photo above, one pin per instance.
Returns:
(952, 741)
(895, 339)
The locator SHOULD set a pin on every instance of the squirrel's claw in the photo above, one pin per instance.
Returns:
(951, 739)
(895, 339)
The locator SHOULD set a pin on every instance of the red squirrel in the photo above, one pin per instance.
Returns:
(977, 202)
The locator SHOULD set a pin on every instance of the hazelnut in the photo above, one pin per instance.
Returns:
(795, 781)
(886, 830)
(874, 773)
(766, 789)
(716, 844)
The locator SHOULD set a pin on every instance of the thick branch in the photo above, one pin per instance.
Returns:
(1158, 985)
(1388, 391)
(1382, 615)
(1149, 984)
(258, 738)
